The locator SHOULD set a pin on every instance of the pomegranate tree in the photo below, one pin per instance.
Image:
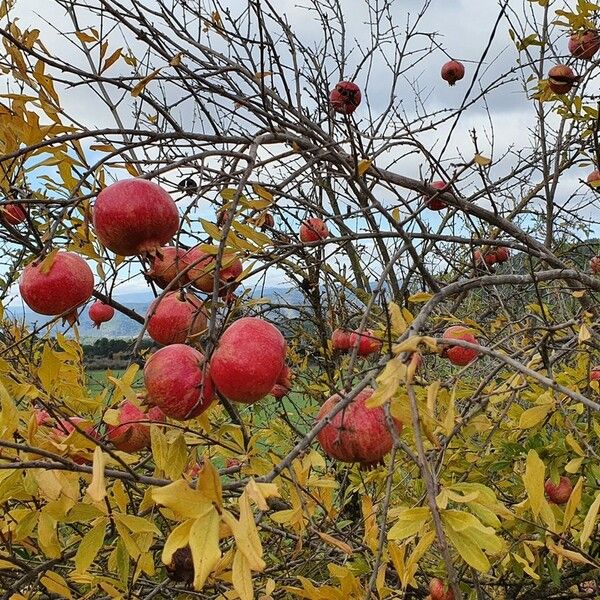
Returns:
(178, 382)
(345, 97)
(57, 285)
(453, 71)
(458, 355)
(248, 360)
(366, 342)
(135, 216)
(166, 265)
(133, 431)
(356, 434)
(100, 313)
(435, 203)
(561, 79)
(202, 272)
(175, 317)
(558, 493)
(13, 213)
(584, 44)
(313, 230)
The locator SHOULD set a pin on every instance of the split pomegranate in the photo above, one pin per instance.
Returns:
(59, 287)
(100, 313)
(313, 230)
(13, 213)
(356, 433)
(340, 340)
(202, 274)
(436, 203)
(166, 265)
(584, 44)
(558, 493)
(456, 354)
(135, 216)
(561, 79)
(176, 317)
(366, 341)
(131, 435)
(178, 382)
(248, 360)
(453, 71)
(439, 590)
(345, 97)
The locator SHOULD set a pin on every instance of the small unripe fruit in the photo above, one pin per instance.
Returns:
(166, 265)
(313, 230)
(12, 213)
(340, 340)
(366, 341)
(176, 317)
(455, 354)
(202, 273)
(595, 373)
(439, 591)
(100, 313)
(502, 254)
(584, 44)
(595, 265)
(436, 203)
(345, 97)
(561, 79)
(453, 71)
(133, 431)
(558, 493)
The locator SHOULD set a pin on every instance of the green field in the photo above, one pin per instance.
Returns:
(97, 378)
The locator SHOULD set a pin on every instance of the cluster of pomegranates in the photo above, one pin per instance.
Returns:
(497, 255)
(365, 341)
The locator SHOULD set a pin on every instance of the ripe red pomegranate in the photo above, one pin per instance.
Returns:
(340, 340)
(366, 341)
(455, 354)
(561, 79)
(279, 391)
(248, 360)
(67, 283)
(439, 590)
(313, 230)
(453, 71)
(594, 177)
(558, 493)
(436, 203)
(595, 373)
(489, 258)
(356, 433)
(502, 254)
(595, 265)
(166, 265)
(584, 44)
(65, 427)
(176, 317)
(100, 313)
(131, 435)
(202, 274)
(178, 382)
(13, 213)
(135, 216)
(345, 97)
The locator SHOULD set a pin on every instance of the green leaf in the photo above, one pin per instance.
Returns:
(410, 522)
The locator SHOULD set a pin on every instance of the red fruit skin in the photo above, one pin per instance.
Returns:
(595, 265)
(453, 71)
(42, 416)
(248, 360)
(13, 213)
(436, 203)
(100, 313)
(345, 97)
(595, 373)
(366, 341)
(558, 493)
(584, 44)
(279, 391)
(439, 591)
(166, 265)
(313, 230)
(68, 283)
(131, 435)
(561, 79)
(202, 274)
(64, 428)
(176, 317)
(356, 433)
(176, 383)
(593, 177)
(455, 354)
(340, 340)
(502, 254)
(135, 216)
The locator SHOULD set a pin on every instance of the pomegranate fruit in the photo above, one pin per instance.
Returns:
(202, 274)
(100, 313)
(135, 216)
(176, 317)
(584, 44)
(248, 360)
(366, 341)
(279, 391)
(283, 384)
(340, 340)
(502, 254)
(356, 433)
(65, 427)
(58, 288)
(489, 258)
(345, 97)
(178, 382)
(595, 265)
(166, 265)
(453, 71)
(561, 79)
(595, 373)
(313, 230)
(594, 177)
(13, 213)
(131, 435)
(455, 354)
(439, 590)
(436, 203)
(558, 493)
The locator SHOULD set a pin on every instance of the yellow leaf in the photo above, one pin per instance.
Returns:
(482, 161)
(371, 529)
(185, 502)
(259, 492)
(211, 229)
(590, 521)
(138, 88)
(176, 60)
(573, 503)
(471, 552)
(136, 524)
(9, 417)
(209, 482)
(97, 488)
(263, 193)
(568, 554)
(178, 538)
(111, 60)
(420, 297)
(410, 522)
(399, 325)
(534, 415)
(533, 480)
(363, 166)
(332, 541)
(204, 544)
(90, 546)
(85, 37)
(54, 583)
(584, 334)
(246, 540)
(241, 577)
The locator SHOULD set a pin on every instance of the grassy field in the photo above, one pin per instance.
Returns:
(97, 379)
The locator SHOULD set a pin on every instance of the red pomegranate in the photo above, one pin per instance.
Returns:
(100, 313)
(248, 360)
(489, 258)
(594, 177)
(584, 44)
(436, 203)
(313, 230)
(439, 590)
(457, 355)
(558, 493)
(595, 265)
(595, 373)
(561, 79)
(178, 382)
(356, 433)
(65, 427)
(340, 340)
(176, 317)
(366, 341)
(279, 391)
(133, 431)
(13, 213)
(453, 71)
(59, 287)
(166, 265)
(135, 216)
(42, 416)
(502, 254)
(345, 97)
(202, 274)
